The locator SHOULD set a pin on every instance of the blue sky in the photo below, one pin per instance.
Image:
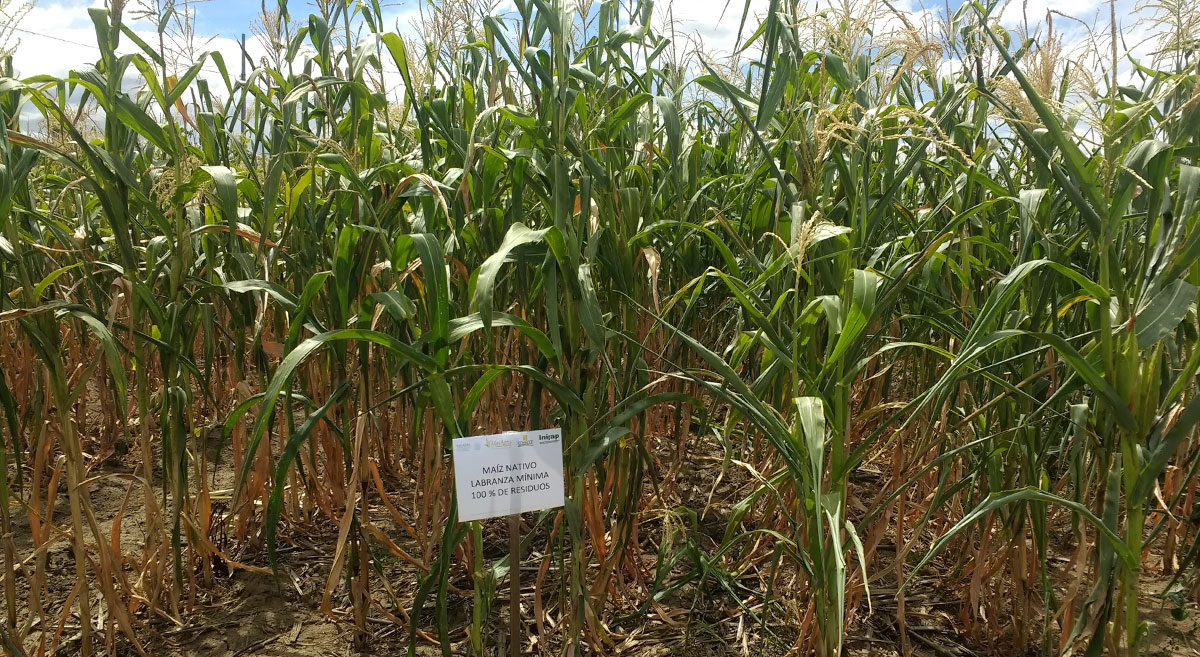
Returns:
(226, 17)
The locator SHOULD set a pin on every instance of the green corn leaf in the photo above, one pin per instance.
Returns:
(287, 456)
(292, 361)
(464, 326)
(1162, 446)
(810, 411)
(1162, 314)
(997, 501)
(517, 235)
(280, 294)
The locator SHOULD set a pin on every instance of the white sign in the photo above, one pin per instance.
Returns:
(508, 473)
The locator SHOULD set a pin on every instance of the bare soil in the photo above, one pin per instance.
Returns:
(255, 613)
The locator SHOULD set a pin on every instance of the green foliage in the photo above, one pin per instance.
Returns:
(835, 250)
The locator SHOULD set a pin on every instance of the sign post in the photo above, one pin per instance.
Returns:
(506, 474)
(514, 585)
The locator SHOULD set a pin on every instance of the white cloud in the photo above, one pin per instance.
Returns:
(713, 22)
(1035, 11)
(55, 38)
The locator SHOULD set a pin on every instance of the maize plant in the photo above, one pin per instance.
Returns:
(874, 310)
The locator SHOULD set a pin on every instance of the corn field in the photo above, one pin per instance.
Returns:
(861, 340)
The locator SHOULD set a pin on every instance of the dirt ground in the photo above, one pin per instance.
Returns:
(254, 613)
